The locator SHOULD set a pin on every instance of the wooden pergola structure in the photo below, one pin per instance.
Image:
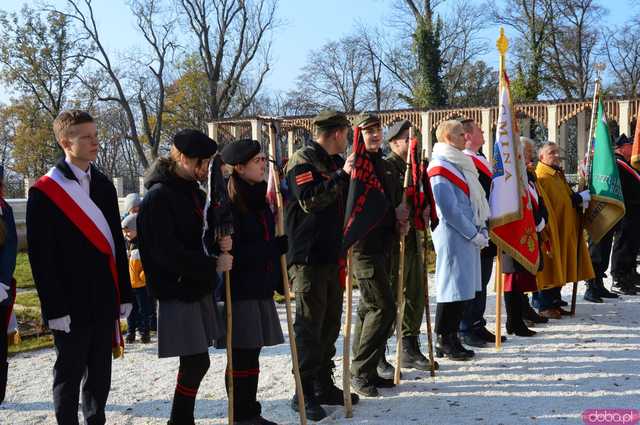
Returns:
(552, 115)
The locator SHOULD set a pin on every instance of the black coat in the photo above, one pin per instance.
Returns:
(256, 269)
(170, 237)
(71, 275)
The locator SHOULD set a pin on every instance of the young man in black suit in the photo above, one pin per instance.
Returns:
(80, 268)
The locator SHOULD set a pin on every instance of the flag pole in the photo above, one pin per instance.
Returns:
(285, 277)
(400, 293)
(346, 372)
(425, 270)
(502, 45)
(586, 182)
(227, 288)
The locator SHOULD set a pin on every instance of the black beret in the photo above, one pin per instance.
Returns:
(367, 120)
(623, 140)
(240, 152)
(396, 129)
(194, 144)
(331, 119)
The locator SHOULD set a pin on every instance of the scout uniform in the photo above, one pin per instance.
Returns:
(314, 220)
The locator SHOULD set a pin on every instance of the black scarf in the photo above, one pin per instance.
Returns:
(253, 195)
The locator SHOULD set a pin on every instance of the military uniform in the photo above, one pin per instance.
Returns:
(314, 220)
(370, 267)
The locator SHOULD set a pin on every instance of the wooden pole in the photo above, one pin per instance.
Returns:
(427, 312)
(499, 291)
(285, 279)
(346, 349)
(227, 288)
(400, 294)
(587, 180)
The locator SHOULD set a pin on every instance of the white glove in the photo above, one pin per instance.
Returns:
(224, 263)
(62, 324)
(586, 197)
(480, 240)
(125, 310)
(3, 292)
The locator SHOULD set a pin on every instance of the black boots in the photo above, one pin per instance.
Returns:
(327, 392)
(515, 324)
(624, 285)
(385, 369)
(449, 345)
(4, 369)
(591, 294)
(314, 411)
(411, 356)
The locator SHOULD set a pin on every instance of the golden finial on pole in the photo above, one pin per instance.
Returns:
(502, 45)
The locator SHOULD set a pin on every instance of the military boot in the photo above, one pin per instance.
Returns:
(602, 291)
(327, 392)
(592, 294)
(411, 356)
(313, 409)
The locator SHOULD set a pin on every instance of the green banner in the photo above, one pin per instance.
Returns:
(607, 204)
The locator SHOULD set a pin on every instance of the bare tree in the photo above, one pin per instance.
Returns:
(622, 51)
(335, 75)
(232, 38)
(159, 39)
(572, 47)
(534, 21)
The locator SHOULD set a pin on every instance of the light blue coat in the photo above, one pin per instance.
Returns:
(457, 258)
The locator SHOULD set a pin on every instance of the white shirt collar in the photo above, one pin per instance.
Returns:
(79, 173)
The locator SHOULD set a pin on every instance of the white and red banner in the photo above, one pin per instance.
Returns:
(512, 224)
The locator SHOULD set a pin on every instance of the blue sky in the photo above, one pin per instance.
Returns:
(307, 25)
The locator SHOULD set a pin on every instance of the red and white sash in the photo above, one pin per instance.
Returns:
(438, 167)
(629, 169)
(80, 209)
(480, 162)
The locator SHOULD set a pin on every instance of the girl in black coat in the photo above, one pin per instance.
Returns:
(179, 273)
(254, 277)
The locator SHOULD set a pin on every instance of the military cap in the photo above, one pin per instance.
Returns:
(329, 118)
(194, 144)
(240, 152)
(129, 222)
(396, 129)
(623, 140)
(367, 120)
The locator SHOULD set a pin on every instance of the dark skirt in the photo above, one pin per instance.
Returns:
(255, 324)
(520, 282)
(186, 328)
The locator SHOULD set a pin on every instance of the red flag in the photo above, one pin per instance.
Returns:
(420, 193)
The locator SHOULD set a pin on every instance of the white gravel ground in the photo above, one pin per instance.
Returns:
(588, 361)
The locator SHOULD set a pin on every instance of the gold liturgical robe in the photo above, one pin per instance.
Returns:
(568, 259)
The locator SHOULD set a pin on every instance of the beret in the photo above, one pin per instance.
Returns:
(129, 222)
(367, 120)
(132, 200)
(623, 140)
(241, 151)
(329, 118)
(194, 144)
(396, 129)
